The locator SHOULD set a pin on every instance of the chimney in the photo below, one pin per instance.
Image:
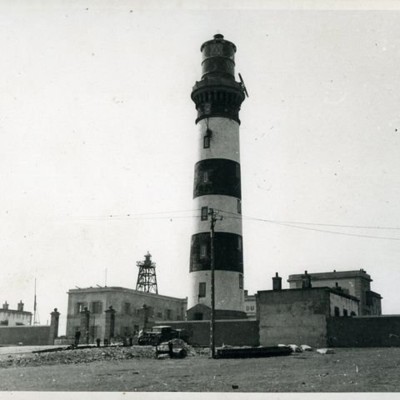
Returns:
(276, 282)
(337, 287)
(20, 306)
(246, 293)
(306, 281)
(5, 305)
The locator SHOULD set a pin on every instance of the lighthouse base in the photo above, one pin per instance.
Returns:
(201, 312)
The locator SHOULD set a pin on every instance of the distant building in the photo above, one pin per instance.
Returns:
(27, 334)
(355, 283)
(116, 312)
(250, 306)
(300, 315)
(307, 312)
(16, 317)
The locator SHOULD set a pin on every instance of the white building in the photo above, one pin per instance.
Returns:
(16, 317)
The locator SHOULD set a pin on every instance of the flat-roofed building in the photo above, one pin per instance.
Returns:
(117, 312)
(300, 315)
(18, 317)
(356, 283)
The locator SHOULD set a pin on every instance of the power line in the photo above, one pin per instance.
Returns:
(319, 224)
(147, 218)
(150, 215)
(290, 225)
(337, 233)
(229, 214)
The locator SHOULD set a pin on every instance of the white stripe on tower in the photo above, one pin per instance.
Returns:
(217, 185)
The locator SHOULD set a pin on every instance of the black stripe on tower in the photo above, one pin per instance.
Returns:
(228, 252)
(217, 176)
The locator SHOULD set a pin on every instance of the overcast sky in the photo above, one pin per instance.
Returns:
(97, 144)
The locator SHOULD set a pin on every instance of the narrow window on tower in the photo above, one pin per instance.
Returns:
(207, 137)
(206, 142)
(239, 206)
(202, 289)
(203, 250)
(240, 281)
(239, 243)
(204, 213)
(205, 177)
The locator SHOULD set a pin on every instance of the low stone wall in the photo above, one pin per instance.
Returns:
(228, 332)
(27, 335)
(378, 331)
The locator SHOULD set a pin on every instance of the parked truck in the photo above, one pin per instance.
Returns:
(159, 334)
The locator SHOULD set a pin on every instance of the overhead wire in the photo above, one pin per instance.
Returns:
(317, 224)
(292, 225)
(229, 214)
(148, 215)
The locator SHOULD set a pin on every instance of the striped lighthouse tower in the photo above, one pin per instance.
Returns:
(217, 186)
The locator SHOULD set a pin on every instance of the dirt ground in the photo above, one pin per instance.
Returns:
(347, 370)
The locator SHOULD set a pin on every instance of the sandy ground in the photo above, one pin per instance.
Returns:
(347, 370)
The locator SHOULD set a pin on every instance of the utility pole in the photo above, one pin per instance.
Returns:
(214, 217)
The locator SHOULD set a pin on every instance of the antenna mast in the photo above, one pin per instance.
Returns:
(35, 313)
(147, 280)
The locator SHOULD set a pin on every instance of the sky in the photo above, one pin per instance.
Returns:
(98, 143)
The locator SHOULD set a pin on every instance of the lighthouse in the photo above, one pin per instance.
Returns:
(217, 187)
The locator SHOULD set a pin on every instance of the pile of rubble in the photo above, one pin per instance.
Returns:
(77, 356)
(68, 355)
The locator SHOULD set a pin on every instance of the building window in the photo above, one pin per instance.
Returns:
(96, 307)
(240, 281)
(159, 314)
(239, 243)
(202, 289)
(204, 213)
(4, 322)
(345, 313)
(337, 312)
(127, 308)
(239, 206)
(237, 170)
(168, 314)
(198, 316)
(80, 306)
(203, 250)
(206, 178)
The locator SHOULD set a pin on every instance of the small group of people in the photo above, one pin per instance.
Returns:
(127, 341)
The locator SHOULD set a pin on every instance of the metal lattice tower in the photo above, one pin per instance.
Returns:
(147, 279)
